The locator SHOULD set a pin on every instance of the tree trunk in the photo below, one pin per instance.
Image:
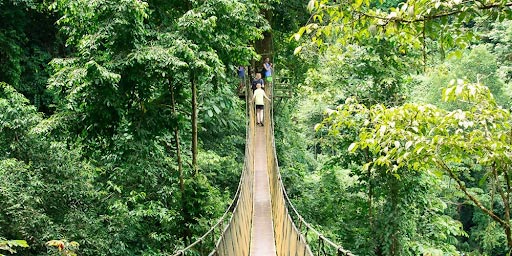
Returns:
(370, 194)
(424, 47)
(504, 223)
(264, 47)
(194, 123)
(395, 211)
(505, 197)
(370, 199)
(185, 232)
(178, 147)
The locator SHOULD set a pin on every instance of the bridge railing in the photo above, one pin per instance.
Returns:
(289, 240)
(294, 236)
(232, 233)
(236, 237)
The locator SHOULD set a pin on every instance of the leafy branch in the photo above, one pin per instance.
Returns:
(463, 187)
(8, 245)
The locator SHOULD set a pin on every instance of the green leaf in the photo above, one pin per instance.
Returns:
(358, 3)
(366, 166)
(311, 5)
(217, 110)
(382, 130)
(297, 50)
(408, 144)
(20, 243)
(353, 147)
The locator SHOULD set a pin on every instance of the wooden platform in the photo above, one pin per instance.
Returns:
(262, 237)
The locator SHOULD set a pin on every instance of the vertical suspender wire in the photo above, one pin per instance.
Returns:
(321, 239)
(274, 79)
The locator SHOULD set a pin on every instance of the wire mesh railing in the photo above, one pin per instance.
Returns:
(236, 237)
(298, 234)
(231, 233)
(293, 235)
(289, 241)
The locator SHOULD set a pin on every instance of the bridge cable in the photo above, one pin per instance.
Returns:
(339, 249)
(234, 202)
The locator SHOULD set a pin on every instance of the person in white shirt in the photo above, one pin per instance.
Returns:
(258, 98)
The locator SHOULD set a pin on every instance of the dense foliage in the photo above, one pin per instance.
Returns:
(373, 63)
(121, 134)
(110, 159)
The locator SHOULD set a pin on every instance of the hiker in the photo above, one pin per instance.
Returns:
(241, 76)
(257, 80)
(267, 67)
(258, 98)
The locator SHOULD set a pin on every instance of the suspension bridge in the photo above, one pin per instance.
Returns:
(261, 220)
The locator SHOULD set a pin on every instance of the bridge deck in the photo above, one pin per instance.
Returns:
(262, 242)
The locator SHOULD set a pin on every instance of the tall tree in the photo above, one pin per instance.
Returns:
(28, 41)
(458, 143)
(141, 69)
(408, 24)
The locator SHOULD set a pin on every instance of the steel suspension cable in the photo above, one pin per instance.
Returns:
(321, 239)
(219, 222)
(234, 203)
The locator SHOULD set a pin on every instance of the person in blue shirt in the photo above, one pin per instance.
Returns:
(268, 69)
(241, 76)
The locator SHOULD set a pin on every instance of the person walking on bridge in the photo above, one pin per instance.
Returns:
(268, 69)
(258, 98)
(241, 77)
(257, 80)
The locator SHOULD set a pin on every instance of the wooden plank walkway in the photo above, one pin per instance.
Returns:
(262, 237)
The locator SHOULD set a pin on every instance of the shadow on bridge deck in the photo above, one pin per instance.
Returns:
(262, 242)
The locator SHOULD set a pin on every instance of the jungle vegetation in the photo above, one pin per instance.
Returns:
(121, 131)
